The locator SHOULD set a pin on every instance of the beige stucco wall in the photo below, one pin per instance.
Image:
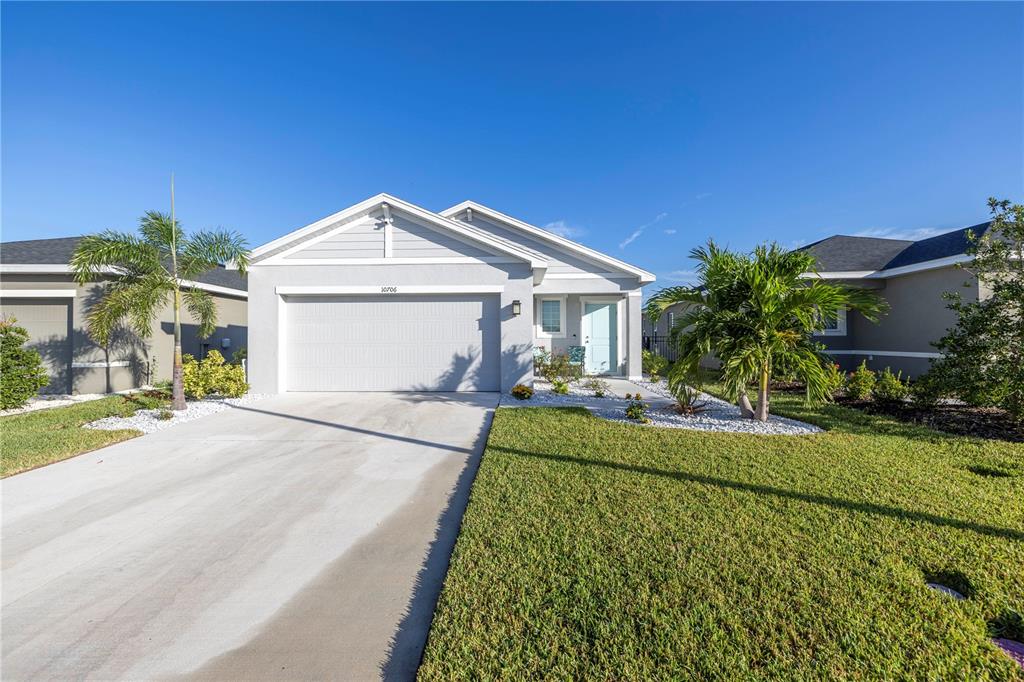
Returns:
(149, 360)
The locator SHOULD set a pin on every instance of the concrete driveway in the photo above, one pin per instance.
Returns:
(303, 536)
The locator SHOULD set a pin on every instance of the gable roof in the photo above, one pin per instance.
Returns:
(841, 253)
(52, 256)
(335, 220)
(853, 257)
(543, 235)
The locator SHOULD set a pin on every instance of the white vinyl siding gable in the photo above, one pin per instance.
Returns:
(411, 240)
(559, 262)
(362, 239)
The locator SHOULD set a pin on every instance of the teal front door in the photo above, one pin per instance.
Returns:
(600, 337)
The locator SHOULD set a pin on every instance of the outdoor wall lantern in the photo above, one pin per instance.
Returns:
(517, 307)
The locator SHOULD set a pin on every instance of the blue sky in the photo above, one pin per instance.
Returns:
(639, 129)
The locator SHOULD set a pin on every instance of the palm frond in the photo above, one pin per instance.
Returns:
(111, 250)
(203, 310)
(157, 230)
(208, 249)
(136, 303)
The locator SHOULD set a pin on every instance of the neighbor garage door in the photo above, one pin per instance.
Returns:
(48, 322)
(392, 343)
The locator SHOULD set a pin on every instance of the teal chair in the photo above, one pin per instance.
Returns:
(577, 354)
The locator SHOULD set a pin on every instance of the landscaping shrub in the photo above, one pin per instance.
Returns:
(925, 392)
(653, 364)
(558, 369)
(239, 355)
(212, 376)
(21, 369)
(522, 392)
(889, 388)
(860, 383)
(637, 410)
(541, 358)
(834, 379)
(598, 387)
(164, 415)
(560, 387)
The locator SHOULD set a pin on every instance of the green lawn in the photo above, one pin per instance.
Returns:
(596, 550)
(36, 438)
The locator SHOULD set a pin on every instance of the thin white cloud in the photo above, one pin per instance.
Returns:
(702, 195)
(640, 230)
(686, 276)
(669, 231)
(913, 234)
(564, 229)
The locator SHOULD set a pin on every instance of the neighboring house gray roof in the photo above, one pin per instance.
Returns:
(843, 253)
(58, 252)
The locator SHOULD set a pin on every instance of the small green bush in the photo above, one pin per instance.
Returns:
(560, 387)
(598, 387)
(889, 388)
(558, 368)
(653, 364)
(212, 376)
(860, 383)
(522, 392)
(164, 415)
(239, 355)
(637, 410)
(21, 369)
(925, 392)
(834, 379)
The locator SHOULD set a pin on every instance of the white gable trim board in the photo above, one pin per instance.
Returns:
(423, 303)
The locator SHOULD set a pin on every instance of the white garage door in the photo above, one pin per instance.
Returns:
(392, 343)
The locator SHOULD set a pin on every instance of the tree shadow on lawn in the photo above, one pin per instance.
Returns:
(838, 503)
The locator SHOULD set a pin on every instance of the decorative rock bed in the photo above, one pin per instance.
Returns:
(148, 421)
(717, 415)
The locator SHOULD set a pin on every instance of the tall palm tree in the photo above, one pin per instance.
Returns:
(148, 269)
(754, 311)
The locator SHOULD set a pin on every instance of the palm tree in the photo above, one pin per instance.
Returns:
(150, 268)
(754, 311)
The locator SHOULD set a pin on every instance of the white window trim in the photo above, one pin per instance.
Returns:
(538, 317)
(840, 329)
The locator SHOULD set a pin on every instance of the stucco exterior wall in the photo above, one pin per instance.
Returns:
(265, 307)
(82, 366)
(918, 315)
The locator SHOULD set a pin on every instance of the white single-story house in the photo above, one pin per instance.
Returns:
(388, 296)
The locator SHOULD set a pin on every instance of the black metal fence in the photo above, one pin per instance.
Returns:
(658, 343)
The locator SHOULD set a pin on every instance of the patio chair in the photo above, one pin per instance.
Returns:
(576, 357)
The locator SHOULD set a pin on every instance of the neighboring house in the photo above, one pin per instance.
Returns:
(38, 289)
(386, 295)
(911, 275)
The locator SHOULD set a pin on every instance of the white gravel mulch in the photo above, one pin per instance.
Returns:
(46, 402)
(717, 415)
(148, 422)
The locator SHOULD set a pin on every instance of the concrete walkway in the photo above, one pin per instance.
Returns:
(300, 537)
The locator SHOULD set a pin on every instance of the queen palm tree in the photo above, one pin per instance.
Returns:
(755, 311)
(149, 269)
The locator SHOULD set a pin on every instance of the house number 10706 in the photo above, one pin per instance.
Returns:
(389, 290)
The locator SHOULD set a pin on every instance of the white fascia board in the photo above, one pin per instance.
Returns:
(884, 353)
(839, 274)
(349, 213)
(57, 269)
(388, 290)
(37, 293)
(573, 247)
(365, 207)
(444, 260)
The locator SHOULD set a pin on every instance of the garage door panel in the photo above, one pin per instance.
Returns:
(392, 343)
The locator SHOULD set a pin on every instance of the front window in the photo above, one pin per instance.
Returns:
(833, 325)
(551, 317)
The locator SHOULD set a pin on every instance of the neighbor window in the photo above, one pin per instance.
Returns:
(833, 326)
(671, 321)
(552, 317)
